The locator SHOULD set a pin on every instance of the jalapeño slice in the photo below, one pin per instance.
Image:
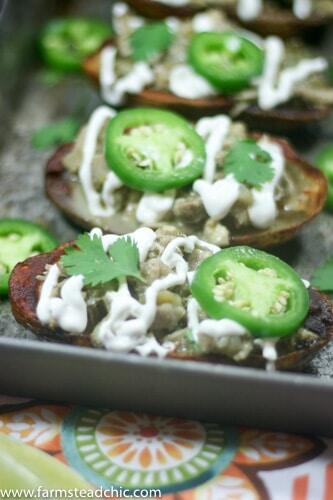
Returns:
(20, 239)
(256, 289)
(154, 150)
(229, 61)
(65, 43)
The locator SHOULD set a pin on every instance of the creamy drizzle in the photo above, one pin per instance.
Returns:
(263, 210)
(269, 352)
(275, 88)
(302, 8)
(219, 197)
(204, 22)
(112, 182)
(248, 10)
(128, 321)
(153, 207)
(210, 327)
(173, 23)
(119, 9)
(214, 131)
(185, 82)
(114, 90)
(69, 311)
(175, 3)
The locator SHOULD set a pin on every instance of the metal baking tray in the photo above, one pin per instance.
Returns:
(298, 402)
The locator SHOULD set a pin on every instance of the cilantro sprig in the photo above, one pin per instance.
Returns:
(98, 267)
(249, 163)
(150, 40)
(55, 133)
(323, 276)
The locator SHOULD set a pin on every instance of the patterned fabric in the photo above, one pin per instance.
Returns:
(187, 460)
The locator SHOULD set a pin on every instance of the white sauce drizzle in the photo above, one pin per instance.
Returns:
(219, 197)
(69, 311)
(270, 93)
(119, 9)
(224, 328)
(112, 182)
(302, 8)
(185, 82)
(214, 131)
(263, 210)
(173, 23)
(175, 3)
(204, 22)
(126, 326)
(269, 351)
(114, 90)
(210, 327)
(248, 10)
(153, 207)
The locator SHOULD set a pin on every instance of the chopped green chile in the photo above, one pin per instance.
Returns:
(228, 60)
(256, 289)
(20, 239)
(154, 150)
(150, 40)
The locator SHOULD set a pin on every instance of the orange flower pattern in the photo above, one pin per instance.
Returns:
(187, 460)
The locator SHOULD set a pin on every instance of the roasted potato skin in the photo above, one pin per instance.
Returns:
(25, 288)
(58, 190)
(283, 24)
(24, 292)
(285, 119)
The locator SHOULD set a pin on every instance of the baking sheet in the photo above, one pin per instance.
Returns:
(38, 369)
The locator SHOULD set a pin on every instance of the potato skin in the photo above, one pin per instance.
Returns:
(58, 189)
(285, 119)
(24, 292)
(283, 24)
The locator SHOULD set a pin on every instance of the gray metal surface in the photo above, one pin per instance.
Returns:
(296, 402)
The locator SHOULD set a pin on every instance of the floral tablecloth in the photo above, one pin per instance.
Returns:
(186, 460)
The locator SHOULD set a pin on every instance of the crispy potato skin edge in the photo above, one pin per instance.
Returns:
(58, 190)
(24, 292)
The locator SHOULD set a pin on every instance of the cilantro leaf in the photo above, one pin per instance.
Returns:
(56, 133)
(97, 267)
(125, 254)
(323, 277)
(249, 163)
(50, 77)
(150, 40)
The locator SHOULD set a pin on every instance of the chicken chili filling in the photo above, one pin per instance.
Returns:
(207, 56)
(160, 292)
(151, 167)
